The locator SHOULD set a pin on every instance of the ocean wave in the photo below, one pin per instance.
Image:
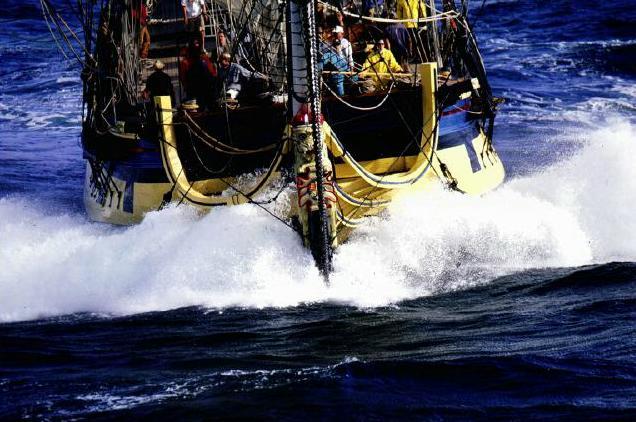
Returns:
(232, 381)
(50, 112)
(547, 383)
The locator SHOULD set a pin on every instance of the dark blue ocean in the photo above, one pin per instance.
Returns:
(519, 305)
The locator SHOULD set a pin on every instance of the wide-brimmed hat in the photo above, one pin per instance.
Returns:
(338, 29)
(159, 65)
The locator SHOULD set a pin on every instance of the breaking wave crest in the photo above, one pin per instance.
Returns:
(573, 213)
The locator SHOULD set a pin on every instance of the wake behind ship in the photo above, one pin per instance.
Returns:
(343, 106)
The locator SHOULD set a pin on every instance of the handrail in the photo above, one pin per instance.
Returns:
(437, 17)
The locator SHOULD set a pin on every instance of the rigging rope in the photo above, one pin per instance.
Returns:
(364, 202)
(386, 96)
(218, 145)
(311, 54)
(246, 195)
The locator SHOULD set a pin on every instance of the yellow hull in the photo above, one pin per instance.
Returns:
(458, 173)
(366, 188)
(149, 196)
(123, 203)
(360, 188)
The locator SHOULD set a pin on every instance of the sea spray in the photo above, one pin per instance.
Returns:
(573, 213)
(597, 186)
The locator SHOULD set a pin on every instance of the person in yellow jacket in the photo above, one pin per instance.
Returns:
(411, 9)
(380, 64)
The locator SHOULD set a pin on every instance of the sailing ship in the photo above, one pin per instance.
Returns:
(343, 141)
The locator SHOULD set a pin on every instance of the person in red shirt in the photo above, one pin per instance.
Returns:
(198, 74)
(140, 13)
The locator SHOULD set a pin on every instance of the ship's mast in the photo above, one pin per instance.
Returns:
(311, 160)
(298, 83)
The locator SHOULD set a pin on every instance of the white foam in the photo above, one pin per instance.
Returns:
(576, 212)
(67, 79)
(597, 187)
(120, 398)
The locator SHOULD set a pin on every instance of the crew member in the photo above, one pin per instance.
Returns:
(234, 76)
(400, 42)
(222, 44)
(197, 74)
(411, 9)
(332, 61)
(141, 13)
(380, 65)
(159, 83)
(343, 47)
(194, 13)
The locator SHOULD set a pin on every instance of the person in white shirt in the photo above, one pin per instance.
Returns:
(194, 13)
(344, 49)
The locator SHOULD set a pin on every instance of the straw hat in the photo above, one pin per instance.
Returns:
(338, 29)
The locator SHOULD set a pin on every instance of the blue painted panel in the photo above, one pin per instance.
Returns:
(463, 137)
